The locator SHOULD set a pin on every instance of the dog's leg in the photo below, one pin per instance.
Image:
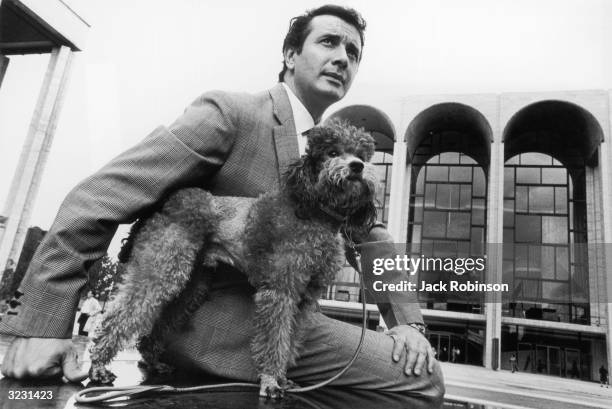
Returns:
(174, 317)
(156, 279)
(275, 311)
(164, 255)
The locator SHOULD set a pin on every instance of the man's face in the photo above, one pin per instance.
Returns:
(323, 71)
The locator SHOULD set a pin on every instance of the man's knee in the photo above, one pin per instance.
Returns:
(427, 384)
(437, 381)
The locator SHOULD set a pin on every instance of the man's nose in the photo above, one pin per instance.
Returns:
(356, 166)
(341, 57)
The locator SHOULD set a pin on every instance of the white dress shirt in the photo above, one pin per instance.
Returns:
(301, 117)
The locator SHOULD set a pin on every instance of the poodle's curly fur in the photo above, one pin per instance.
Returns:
(288, 243)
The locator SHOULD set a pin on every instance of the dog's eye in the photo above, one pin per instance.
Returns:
(333, 153)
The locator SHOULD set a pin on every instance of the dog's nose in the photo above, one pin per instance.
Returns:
(356, 166)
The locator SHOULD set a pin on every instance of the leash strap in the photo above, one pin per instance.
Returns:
(108, 393)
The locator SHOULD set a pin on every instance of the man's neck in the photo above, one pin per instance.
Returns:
(316, 110)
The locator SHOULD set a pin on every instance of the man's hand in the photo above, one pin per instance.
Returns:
(418, 350)
(42, 358)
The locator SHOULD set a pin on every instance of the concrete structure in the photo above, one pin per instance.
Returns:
(27, 27)
(525, 179)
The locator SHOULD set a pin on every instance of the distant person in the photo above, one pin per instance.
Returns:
(7, 278)
(514, 363)
(574, 372)
(540, 367)
(444, 355)
(10, 267)
(90, 307)
(455, 352)
(526, 367)
(603, 377)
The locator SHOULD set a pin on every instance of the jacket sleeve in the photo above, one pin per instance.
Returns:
(396, 307)
(186, 153)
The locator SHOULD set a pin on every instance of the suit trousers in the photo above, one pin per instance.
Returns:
(218, 337)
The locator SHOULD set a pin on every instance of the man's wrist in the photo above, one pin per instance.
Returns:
(419, 326)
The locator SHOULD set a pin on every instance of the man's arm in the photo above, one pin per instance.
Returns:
(185, 154)
(399, 309)
(396, 307)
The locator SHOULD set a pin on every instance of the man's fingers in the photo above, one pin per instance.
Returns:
(398, 347)
(5, 363)
(70, 365)
(420, 363)
(431, 358)
(8, 363)
(51, 372)
(410, 360)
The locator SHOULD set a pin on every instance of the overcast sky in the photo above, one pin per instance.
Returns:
(144, 61)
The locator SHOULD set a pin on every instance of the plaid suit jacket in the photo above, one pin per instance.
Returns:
(229, 143)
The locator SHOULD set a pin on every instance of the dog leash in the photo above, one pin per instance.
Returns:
(101, 394)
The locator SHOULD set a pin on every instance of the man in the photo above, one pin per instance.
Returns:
(603, 376)
(7, 279)
(89, 308)
(230, 144)
(513, 363)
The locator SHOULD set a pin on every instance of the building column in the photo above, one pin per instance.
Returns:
(495, 238)
(605, 153)
(29, 171)
(398, 205)
(4, 62)
(400, 190)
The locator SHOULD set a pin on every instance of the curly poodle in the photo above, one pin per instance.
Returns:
(290, 244)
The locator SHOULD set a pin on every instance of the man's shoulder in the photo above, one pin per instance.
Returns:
(236, 100)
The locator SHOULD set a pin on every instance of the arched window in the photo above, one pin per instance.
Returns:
(545, 254)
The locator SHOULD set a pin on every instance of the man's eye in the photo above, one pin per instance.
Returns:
(327, 41)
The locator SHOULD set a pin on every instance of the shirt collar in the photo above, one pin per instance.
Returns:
(301, 117)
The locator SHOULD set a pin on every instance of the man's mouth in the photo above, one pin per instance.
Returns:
(337, 77)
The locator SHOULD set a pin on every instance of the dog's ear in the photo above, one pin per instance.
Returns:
(299, 182)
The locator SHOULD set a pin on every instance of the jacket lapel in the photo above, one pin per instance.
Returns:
(285, 139)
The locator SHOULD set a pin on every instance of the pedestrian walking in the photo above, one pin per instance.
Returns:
(603, 377)
(90, 307)
(514, 363)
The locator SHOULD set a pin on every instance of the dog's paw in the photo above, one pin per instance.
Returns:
(287, 384)
(98, 374)
(156, 368)
(269, 388)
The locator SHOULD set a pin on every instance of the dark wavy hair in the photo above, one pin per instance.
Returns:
(299, 28)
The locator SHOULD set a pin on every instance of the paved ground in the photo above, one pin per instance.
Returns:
(468, 387)
(522, 390)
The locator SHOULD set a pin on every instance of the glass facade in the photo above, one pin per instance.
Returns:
(448, 207)
(545, 253)
(383, 162)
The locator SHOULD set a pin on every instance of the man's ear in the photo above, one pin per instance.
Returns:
(290, 54)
